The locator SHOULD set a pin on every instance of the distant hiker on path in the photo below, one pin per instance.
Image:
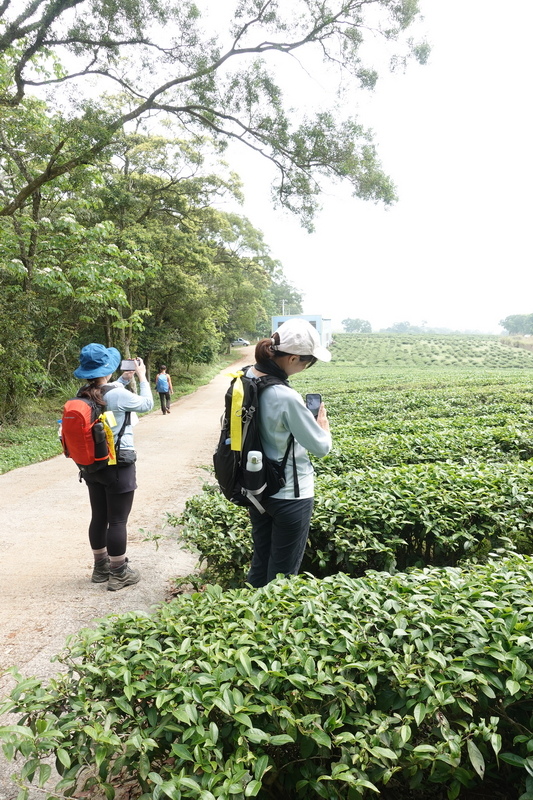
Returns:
(112, 487)
(280, 534)
(163, 386)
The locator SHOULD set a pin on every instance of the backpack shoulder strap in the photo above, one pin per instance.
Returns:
(96, 408)
(127, 419)
(270, 380)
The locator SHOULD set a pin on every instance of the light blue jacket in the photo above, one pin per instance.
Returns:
(283, 412)
(119, 400)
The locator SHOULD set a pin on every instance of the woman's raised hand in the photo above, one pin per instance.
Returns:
(140, 369)
(322, 417)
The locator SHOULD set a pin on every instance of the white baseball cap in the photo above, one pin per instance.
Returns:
(299, 338)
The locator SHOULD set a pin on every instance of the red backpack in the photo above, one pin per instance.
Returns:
(83, 435)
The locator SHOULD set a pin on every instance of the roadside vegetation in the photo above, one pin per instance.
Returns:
(399, 664)
(416, 686)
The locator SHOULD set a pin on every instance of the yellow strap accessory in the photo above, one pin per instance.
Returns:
(107, 419)
(237, 398)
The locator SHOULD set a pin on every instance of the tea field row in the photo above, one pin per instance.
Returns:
(374, 350)
(429, 466)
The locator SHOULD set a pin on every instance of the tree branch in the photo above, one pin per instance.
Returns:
(15, 31)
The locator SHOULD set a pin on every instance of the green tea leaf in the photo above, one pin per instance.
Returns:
(476, 758)
(513, 687)
(419, 713)
(282, 738)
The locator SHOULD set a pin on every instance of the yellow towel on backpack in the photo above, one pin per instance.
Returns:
(237, 399)
(108, 419)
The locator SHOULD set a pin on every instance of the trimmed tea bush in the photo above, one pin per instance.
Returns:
(333, 688)
(376, 349)
(416, 515)
(388, 518)
(220, 533)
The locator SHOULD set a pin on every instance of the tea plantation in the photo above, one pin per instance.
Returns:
(399, 665)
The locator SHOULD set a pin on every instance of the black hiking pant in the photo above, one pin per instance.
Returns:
(280, 538)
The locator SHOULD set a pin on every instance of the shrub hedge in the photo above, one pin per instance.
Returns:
(387, 518)
(327, 688)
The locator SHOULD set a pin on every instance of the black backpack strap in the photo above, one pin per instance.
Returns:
(272, 380)
(127, 419)
(294, 470)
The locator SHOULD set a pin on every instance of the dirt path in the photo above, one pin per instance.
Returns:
(45, 560)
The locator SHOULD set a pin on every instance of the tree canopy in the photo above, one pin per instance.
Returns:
(159, 58)
(132, 252)
(356, 325)
(114, 115)
(518, 324)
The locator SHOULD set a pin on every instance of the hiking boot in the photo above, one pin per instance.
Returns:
(125, 576)
(100, 571)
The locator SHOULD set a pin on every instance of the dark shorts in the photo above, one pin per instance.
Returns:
(116, 480)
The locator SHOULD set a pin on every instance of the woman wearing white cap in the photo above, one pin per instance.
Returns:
(280, 534)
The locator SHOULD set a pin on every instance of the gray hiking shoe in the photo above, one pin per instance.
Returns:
(101, 571)
(125, 576)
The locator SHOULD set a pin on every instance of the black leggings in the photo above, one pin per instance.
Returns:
(109, 519)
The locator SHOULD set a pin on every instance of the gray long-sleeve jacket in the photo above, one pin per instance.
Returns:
(119, 400)
(283, 412)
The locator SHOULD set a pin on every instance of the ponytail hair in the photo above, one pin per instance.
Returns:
(93, 392)
(264, 349)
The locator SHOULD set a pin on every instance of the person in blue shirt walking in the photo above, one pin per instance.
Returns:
(163, 386)
(280, 534)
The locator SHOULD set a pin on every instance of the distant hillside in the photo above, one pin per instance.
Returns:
(426, 350)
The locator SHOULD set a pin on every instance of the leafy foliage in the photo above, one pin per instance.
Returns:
(138, 259)
(167, 58)
(389, 518)
(306, 688)
(356, 325)
(20, 446)
(518, 324)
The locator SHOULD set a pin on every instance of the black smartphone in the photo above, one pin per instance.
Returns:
(313, 401)
(128, 364)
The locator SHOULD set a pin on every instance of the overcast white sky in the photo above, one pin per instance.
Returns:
(457, 138)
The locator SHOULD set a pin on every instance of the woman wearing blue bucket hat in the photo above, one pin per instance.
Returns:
(111, 489)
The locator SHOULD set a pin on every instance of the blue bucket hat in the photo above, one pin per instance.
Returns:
(97, 361)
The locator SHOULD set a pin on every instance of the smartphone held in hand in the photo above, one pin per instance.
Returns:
(313, 402)
(128, 364)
